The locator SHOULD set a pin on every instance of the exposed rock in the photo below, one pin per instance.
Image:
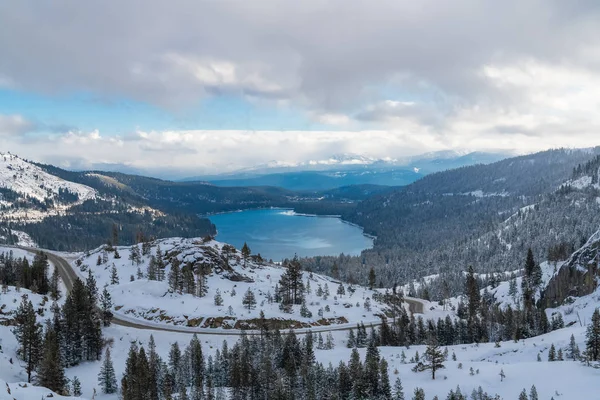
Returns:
(577, 277)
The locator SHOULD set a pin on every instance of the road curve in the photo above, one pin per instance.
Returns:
(68, 275)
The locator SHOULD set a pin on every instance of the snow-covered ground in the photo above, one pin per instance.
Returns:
(152, 300)
(560, 379)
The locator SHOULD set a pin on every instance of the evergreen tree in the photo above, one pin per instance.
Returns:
(54, 290)
(398, 390)
(175, 276)
(341, 291)
(29, 336)
(573, 349)
(245, 253)
(134, 255)
(304, 311)
(592, 344)
(92, 288)
(419, 394)
(249, 301)
(154, 370)
(39, 273)
(114, 276)
(51, 373)
(106, 306)
(196, 362)
(372, 278)
(552, 353)
(533, 395)
(291, 285)
(152, 269)
(107, 378)
(218, 298)
(523, 395)
(434, 360)
(76, 387)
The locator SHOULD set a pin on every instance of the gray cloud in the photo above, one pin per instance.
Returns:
(15, 125)
(326, 55)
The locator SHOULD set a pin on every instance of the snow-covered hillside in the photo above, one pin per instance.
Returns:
(30, 180)
(34, 194)
(135, 296)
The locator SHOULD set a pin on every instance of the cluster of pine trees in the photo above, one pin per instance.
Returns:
(266, 366)
(73, 335)
(20, 273)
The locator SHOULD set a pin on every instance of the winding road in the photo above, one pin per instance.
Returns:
(68, 276)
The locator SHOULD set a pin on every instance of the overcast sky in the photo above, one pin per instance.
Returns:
(204, 86)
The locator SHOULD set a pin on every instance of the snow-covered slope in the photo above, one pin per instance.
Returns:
(30, 180)
(135, 296)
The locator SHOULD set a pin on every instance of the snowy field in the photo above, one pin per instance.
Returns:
(152, 301)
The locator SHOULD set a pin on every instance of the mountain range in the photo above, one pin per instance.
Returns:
(348, 169)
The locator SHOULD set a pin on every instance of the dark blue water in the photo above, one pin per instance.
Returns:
(277, 234)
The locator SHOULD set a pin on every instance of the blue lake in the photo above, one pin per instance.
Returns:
(277, 234)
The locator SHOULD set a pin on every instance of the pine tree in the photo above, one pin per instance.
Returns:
(107, 378)
(372, 369)
(573, 350)
(249, 301)
(523, 395)
(341, 291)
(552, 353)
(592, 344)
(114, 276)
(39, 273)
(106, 306)
(92, 288)
(398, 390)
(152, 269)
(134, 255)
(54, 290)
(175, 276)
(196, 360)
(304, 311)
(154, 370)
(533, 395)
(291, 285)
(372, 278)
(245, 253)
(419, 394)
(218, 298)
(434, 360)
(29, 336)
(351, 343)
(76, 387)
(51, 373)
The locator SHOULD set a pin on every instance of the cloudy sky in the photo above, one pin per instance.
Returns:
(195, 86)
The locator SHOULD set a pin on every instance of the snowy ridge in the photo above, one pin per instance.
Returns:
(27, 179)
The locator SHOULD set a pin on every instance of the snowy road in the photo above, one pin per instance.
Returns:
(68, 276)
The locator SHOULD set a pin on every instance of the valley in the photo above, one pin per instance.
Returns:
(449, 271)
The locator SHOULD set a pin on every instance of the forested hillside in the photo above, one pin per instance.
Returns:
(486, 215)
